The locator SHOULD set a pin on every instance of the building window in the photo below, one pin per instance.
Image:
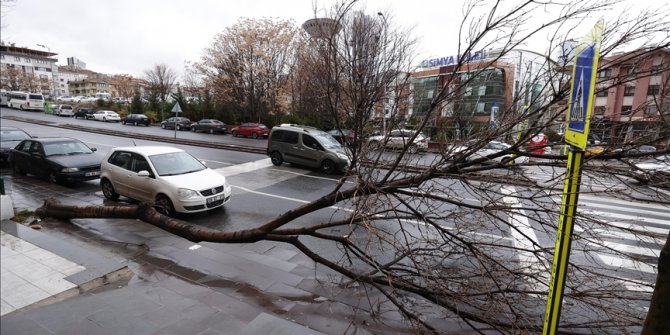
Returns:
(599, 110)
(653, 90)
(626, 110)
(601, 94)
(482, 90)
(480, 108)
(651, 111)
(629, 91)
(606, 73)
(468, 91)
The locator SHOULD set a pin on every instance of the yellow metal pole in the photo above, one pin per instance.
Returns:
(563, 240)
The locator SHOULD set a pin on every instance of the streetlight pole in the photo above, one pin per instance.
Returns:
(384, 96)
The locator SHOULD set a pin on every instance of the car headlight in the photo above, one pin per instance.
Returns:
(185, 193)
(68, 170)
(342, 156)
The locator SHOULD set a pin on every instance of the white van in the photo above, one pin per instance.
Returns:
(26, 101)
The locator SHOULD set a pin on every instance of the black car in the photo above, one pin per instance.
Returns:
(176, 122)
(86, 113)
(57, 159)
(136, 119)
(9, 138)
(209, 125)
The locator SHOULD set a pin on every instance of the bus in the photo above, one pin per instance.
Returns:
(26, 101)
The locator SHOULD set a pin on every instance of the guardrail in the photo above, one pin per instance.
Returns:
(148, 137)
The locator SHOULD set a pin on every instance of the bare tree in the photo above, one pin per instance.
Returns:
(452, 237)
(247, 63)
(161, 80)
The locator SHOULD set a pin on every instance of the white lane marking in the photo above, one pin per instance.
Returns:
(245, 167)
(287, 198)
(525, 239)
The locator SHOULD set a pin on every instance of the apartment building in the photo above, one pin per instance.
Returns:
(27, 69)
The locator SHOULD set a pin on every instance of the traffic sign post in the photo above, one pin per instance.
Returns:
(176, 110)
(579, 113)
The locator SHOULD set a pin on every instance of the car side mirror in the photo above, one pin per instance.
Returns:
(94, 149)
(144, 173)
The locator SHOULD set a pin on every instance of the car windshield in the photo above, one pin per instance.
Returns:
(13, 135)
(175, 163)
(66, 148)
(327, 140)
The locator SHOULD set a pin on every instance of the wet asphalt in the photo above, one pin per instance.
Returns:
(174, 286)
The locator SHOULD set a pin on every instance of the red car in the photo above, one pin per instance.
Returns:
(254, 130)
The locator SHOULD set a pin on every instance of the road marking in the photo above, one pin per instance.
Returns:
(525, 240)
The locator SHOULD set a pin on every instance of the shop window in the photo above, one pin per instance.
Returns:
(629, 91)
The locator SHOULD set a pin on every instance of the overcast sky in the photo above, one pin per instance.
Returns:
(130, 36)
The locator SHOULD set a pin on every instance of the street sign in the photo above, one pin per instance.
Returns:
(583, 86)
(581, 99)
(176, 109)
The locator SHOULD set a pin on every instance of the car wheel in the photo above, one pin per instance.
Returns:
(108, 190)
(163, 126)
(51, 177)
(178, 127)
(211, 130)
(123, 122)
(17, 169)
(276, 158)
(254, 135)
(413, 149)
(20, 107)
(104, 119)
(328, 166)
(234, 134)
(135, 123)
(163, 205)
(193, 130)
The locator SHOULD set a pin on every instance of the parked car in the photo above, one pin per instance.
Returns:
(106, 116)
(654, 171)
(209, 125)
(344, 136)
(136, 119)
(636, 149)
(492, 148)
(169, 178)
(253, 130)
(65, 98)
(176, 122)
(64, 110)
(398, 139)
(9, 138)
(86, 113)
(58, 159)
(306, 146)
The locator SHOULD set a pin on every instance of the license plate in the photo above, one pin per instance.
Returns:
(215, 198)
(92, 173)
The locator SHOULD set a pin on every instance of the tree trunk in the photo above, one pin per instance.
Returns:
(658, 317)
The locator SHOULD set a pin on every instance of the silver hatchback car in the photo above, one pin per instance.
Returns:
(169, 178)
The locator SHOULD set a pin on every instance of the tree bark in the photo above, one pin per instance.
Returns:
(658, 317)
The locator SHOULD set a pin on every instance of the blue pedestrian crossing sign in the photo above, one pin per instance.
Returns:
(584, 71)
